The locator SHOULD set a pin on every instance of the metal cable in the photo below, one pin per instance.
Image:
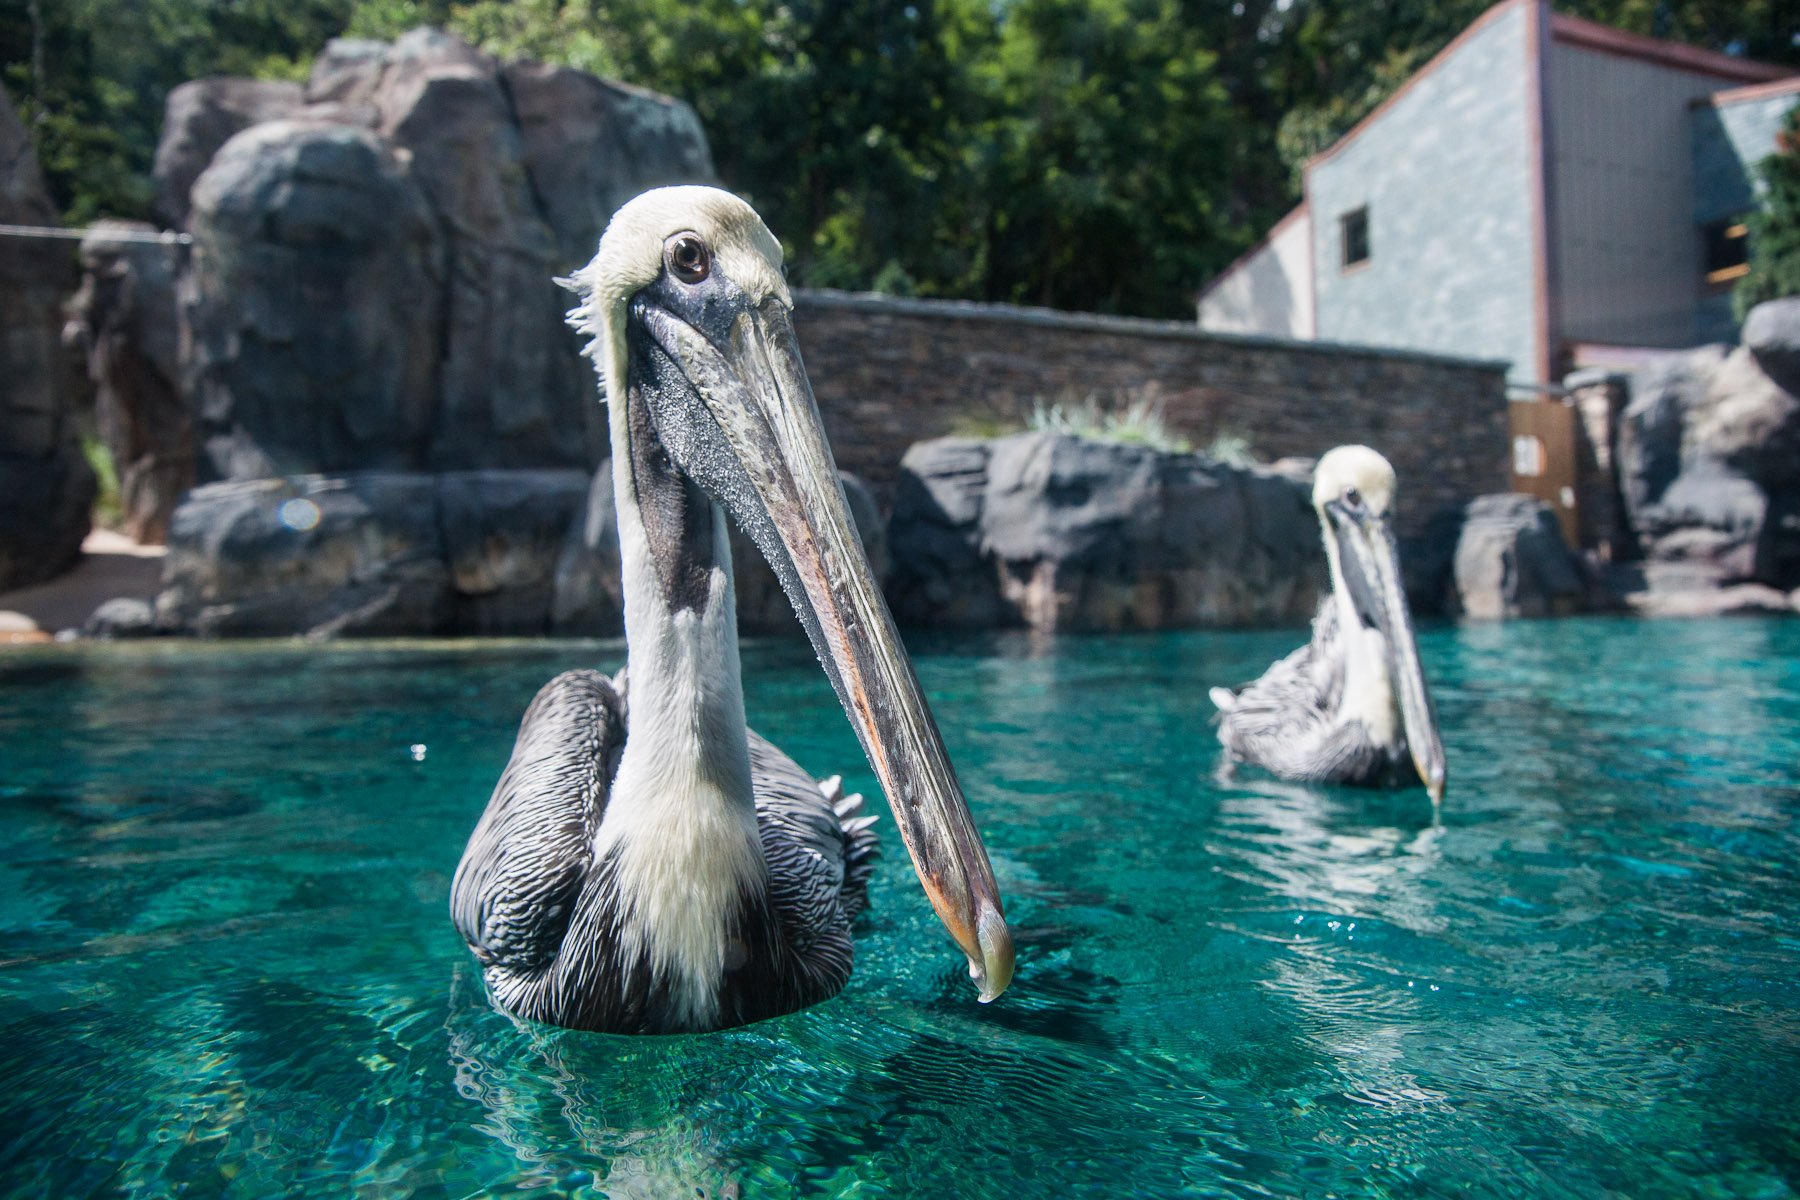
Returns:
(163, 238)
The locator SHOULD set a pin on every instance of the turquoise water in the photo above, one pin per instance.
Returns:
(228, 971)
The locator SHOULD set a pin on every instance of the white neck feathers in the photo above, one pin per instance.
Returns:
(680, 823)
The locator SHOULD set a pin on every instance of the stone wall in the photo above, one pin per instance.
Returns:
(890, 372)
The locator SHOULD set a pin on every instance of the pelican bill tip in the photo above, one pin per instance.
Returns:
(994, 972)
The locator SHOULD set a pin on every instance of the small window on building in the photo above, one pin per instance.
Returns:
(1353, 234)
(1727, 251)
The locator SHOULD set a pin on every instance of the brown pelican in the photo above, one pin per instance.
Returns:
(647, 864)
(1351, 706)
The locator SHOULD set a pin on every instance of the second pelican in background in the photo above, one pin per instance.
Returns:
(1351, 706)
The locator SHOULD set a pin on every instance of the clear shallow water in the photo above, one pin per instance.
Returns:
(226, 967)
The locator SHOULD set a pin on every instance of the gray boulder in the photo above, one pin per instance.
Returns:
(1651, 427)
(504, 533)
(514, 391)
(314, 555)
(939, 575)
(1746, 422)
(1060, 533)
(1511, 561)
(123, 321)
(591, 144)
(1708, 514)
(122, 618)
(313, 304)
(1710, 465)
(46, 487)
(372, 281)
(489, 552)
(1772, 334)
(1693, 588)
(199, 117)
(469, 552)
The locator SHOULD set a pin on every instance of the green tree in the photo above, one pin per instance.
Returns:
(89, 78)
(1106, 168)
(1775, 226)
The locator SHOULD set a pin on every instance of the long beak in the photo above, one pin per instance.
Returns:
(1371, 564)
(781, 484)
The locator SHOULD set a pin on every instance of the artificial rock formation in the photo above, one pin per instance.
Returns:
(1709, 465)
(199, 117)
(46, 486)
(372, 275)
(470, 553)
(312, 303)
(370, 329)
(1511, 561)
(123, 322)
(1772, 335)
(1061, 533)
(512, 391)
(588, 597)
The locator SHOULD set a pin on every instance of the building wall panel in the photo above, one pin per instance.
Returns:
(1271, 290)
(1628, 251)
(1446, 171)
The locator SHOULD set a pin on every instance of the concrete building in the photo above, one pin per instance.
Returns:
(1546, 191)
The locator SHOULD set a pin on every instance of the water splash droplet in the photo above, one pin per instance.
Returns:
(417, 750)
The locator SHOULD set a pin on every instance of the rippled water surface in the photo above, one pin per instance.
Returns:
(226, 967)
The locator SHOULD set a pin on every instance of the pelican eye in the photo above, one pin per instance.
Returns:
(688, 258)
(1352, 497)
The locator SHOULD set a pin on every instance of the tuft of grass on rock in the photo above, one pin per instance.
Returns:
(1136, 418)
(1232, 449)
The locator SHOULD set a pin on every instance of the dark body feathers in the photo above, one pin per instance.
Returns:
(544, 916)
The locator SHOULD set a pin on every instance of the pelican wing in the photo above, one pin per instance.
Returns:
(525, 864)
(820, 851)
(1287, 721)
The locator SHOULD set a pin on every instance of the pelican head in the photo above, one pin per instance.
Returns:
(690, 317)
(1353, 492)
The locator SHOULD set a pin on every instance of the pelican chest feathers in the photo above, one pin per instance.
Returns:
(647, 864)
(1351, 706)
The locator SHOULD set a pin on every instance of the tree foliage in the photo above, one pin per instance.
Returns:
(89, 78)
(1092, 154)
(1775, 228)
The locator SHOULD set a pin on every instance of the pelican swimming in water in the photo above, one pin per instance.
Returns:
(647, 864)
(1351, 706)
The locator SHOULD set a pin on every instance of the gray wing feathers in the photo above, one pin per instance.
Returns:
(819, 846)
(526, 861)
(1287, 721)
